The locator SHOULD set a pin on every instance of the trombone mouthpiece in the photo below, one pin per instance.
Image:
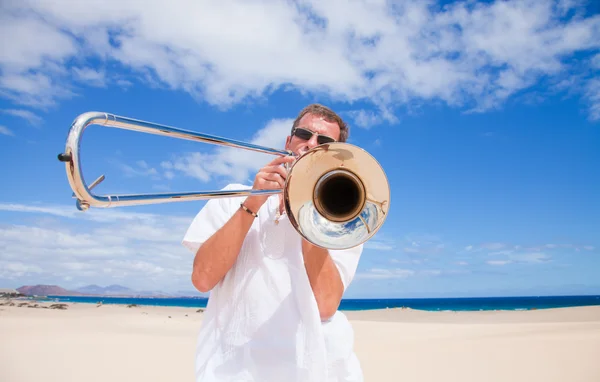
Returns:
(64, 157)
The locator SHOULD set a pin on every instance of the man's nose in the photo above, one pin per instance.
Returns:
(312, 142)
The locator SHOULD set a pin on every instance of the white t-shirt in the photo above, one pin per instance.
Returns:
(261, 322)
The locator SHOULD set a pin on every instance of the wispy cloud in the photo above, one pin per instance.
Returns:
(90, 77)
(518, 257)
(498, 262)
(71, 248)
(500, 254)
(59, 244)
(382, 241)
(472, 56)
(32, 118)
(492, 246)
(385, 273)
(402, 273)
(141, 168)
(369, 118)
(423, 244)
(497, 248)
(94, 215)
(6, 131)
(233, 164)
(380, 245)
(592, 92)
(418, 250)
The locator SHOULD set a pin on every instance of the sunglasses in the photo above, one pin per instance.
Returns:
(307, 134)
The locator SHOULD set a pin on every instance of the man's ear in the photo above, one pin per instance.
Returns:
(287, 142)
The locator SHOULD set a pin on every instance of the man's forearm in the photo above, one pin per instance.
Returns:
(218, 254)
(324, 278)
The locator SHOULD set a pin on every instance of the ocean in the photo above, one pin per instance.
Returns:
(429, 304)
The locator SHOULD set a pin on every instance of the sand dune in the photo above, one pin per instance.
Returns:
(119, 343)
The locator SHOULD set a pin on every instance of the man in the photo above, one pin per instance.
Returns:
(272, 313)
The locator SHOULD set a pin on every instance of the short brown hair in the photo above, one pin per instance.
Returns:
(328, 114)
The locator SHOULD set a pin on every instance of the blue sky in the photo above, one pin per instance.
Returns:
(486, 119)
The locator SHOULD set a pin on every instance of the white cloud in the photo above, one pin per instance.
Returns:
(12, 269)
(493, 246)
(423, 244)
(32, 118)
(380, 273)
(467, 55)
(498, 262)
(595, 61)
(6, 131)
(28, 58)
(519, 257)
(94, 215)
(141, 168)
(368, 118)
(592, 92)
(500, 254)
(58, 244)
(90, 76)
(379, 245)
(103, 247)
(531, 257)
(238, 165)
(401, 273)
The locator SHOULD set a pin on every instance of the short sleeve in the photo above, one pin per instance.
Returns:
(346, 261)
(215, 213)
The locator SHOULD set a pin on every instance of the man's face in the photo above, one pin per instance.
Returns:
(300, 145)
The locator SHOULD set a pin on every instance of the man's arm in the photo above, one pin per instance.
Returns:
(324, 277)
(216, 256)
(218, 253)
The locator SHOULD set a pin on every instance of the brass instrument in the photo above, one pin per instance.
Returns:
(336, 195)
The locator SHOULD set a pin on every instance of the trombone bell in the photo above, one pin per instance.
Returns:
(336, 195)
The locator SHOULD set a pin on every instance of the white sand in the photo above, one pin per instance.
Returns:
(85, 343)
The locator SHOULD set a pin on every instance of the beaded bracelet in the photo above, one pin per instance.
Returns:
(248, 211)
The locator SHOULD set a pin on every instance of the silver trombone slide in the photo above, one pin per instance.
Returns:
(83, 193)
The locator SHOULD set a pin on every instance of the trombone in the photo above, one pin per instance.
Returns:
(336, 195)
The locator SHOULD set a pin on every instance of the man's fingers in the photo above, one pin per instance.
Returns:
(274, 177)
(266, 180)
(275, 169)
(273, 174)
(280, 160)
(269, 185)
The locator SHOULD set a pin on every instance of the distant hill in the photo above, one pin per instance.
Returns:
(96, 290)
(190, 293)
(116, 290)
(46, 290)
(120, 291)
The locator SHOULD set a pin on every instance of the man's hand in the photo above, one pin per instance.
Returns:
(270, 177)
(324, 278)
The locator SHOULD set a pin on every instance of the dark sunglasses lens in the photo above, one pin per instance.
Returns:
(307, 134)
(303, 134)
(324, 139)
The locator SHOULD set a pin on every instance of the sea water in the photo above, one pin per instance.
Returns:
(429, 304)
